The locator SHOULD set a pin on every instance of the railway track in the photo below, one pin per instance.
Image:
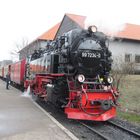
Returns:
(109, 130)
(95, 131)
(106, 135)
(125, 129)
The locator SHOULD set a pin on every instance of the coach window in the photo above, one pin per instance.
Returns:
(128, 57)
(137, 58)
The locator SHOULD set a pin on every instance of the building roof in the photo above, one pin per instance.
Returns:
(130, 31)
(50, 34)
(78, 19)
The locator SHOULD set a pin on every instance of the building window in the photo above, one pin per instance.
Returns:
(137, 58)
(127, 57)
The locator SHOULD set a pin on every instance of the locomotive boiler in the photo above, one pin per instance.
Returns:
(74, 73)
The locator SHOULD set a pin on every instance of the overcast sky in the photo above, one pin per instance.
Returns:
(30, 18)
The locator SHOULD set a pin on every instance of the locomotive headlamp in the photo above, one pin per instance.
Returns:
(101, 79)
(109, 79)
(92, 29)
(81, 78)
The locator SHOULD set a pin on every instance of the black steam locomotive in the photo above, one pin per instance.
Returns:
(74, 73)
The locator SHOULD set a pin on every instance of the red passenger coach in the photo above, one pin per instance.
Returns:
(18, 72)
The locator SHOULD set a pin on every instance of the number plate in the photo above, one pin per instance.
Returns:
(91, 55)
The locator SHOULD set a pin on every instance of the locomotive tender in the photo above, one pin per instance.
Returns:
(73, 73)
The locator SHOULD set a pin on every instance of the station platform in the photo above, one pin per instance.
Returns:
(22, 119)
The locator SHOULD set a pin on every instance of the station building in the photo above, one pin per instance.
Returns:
(125, 46)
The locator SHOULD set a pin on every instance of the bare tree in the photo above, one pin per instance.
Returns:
(18, 47)
(121, 69)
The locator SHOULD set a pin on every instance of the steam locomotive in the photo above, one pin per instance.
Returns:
(73, 73)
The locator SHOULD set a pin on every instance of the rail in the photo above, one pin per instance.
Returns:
(95, 131)
(125, 129)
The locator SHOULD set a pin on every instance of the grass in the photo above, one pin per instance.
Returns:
(130, 98)
(131, 117)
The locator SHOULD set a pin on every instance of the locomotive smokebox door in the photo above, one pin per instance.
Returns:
(54, 63)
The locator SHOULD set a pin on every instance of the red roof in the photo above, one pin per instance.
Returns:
(50, 34)
(131, 31)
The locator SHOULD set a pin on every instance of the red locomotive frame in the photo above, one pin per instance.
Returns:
(83, 110)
